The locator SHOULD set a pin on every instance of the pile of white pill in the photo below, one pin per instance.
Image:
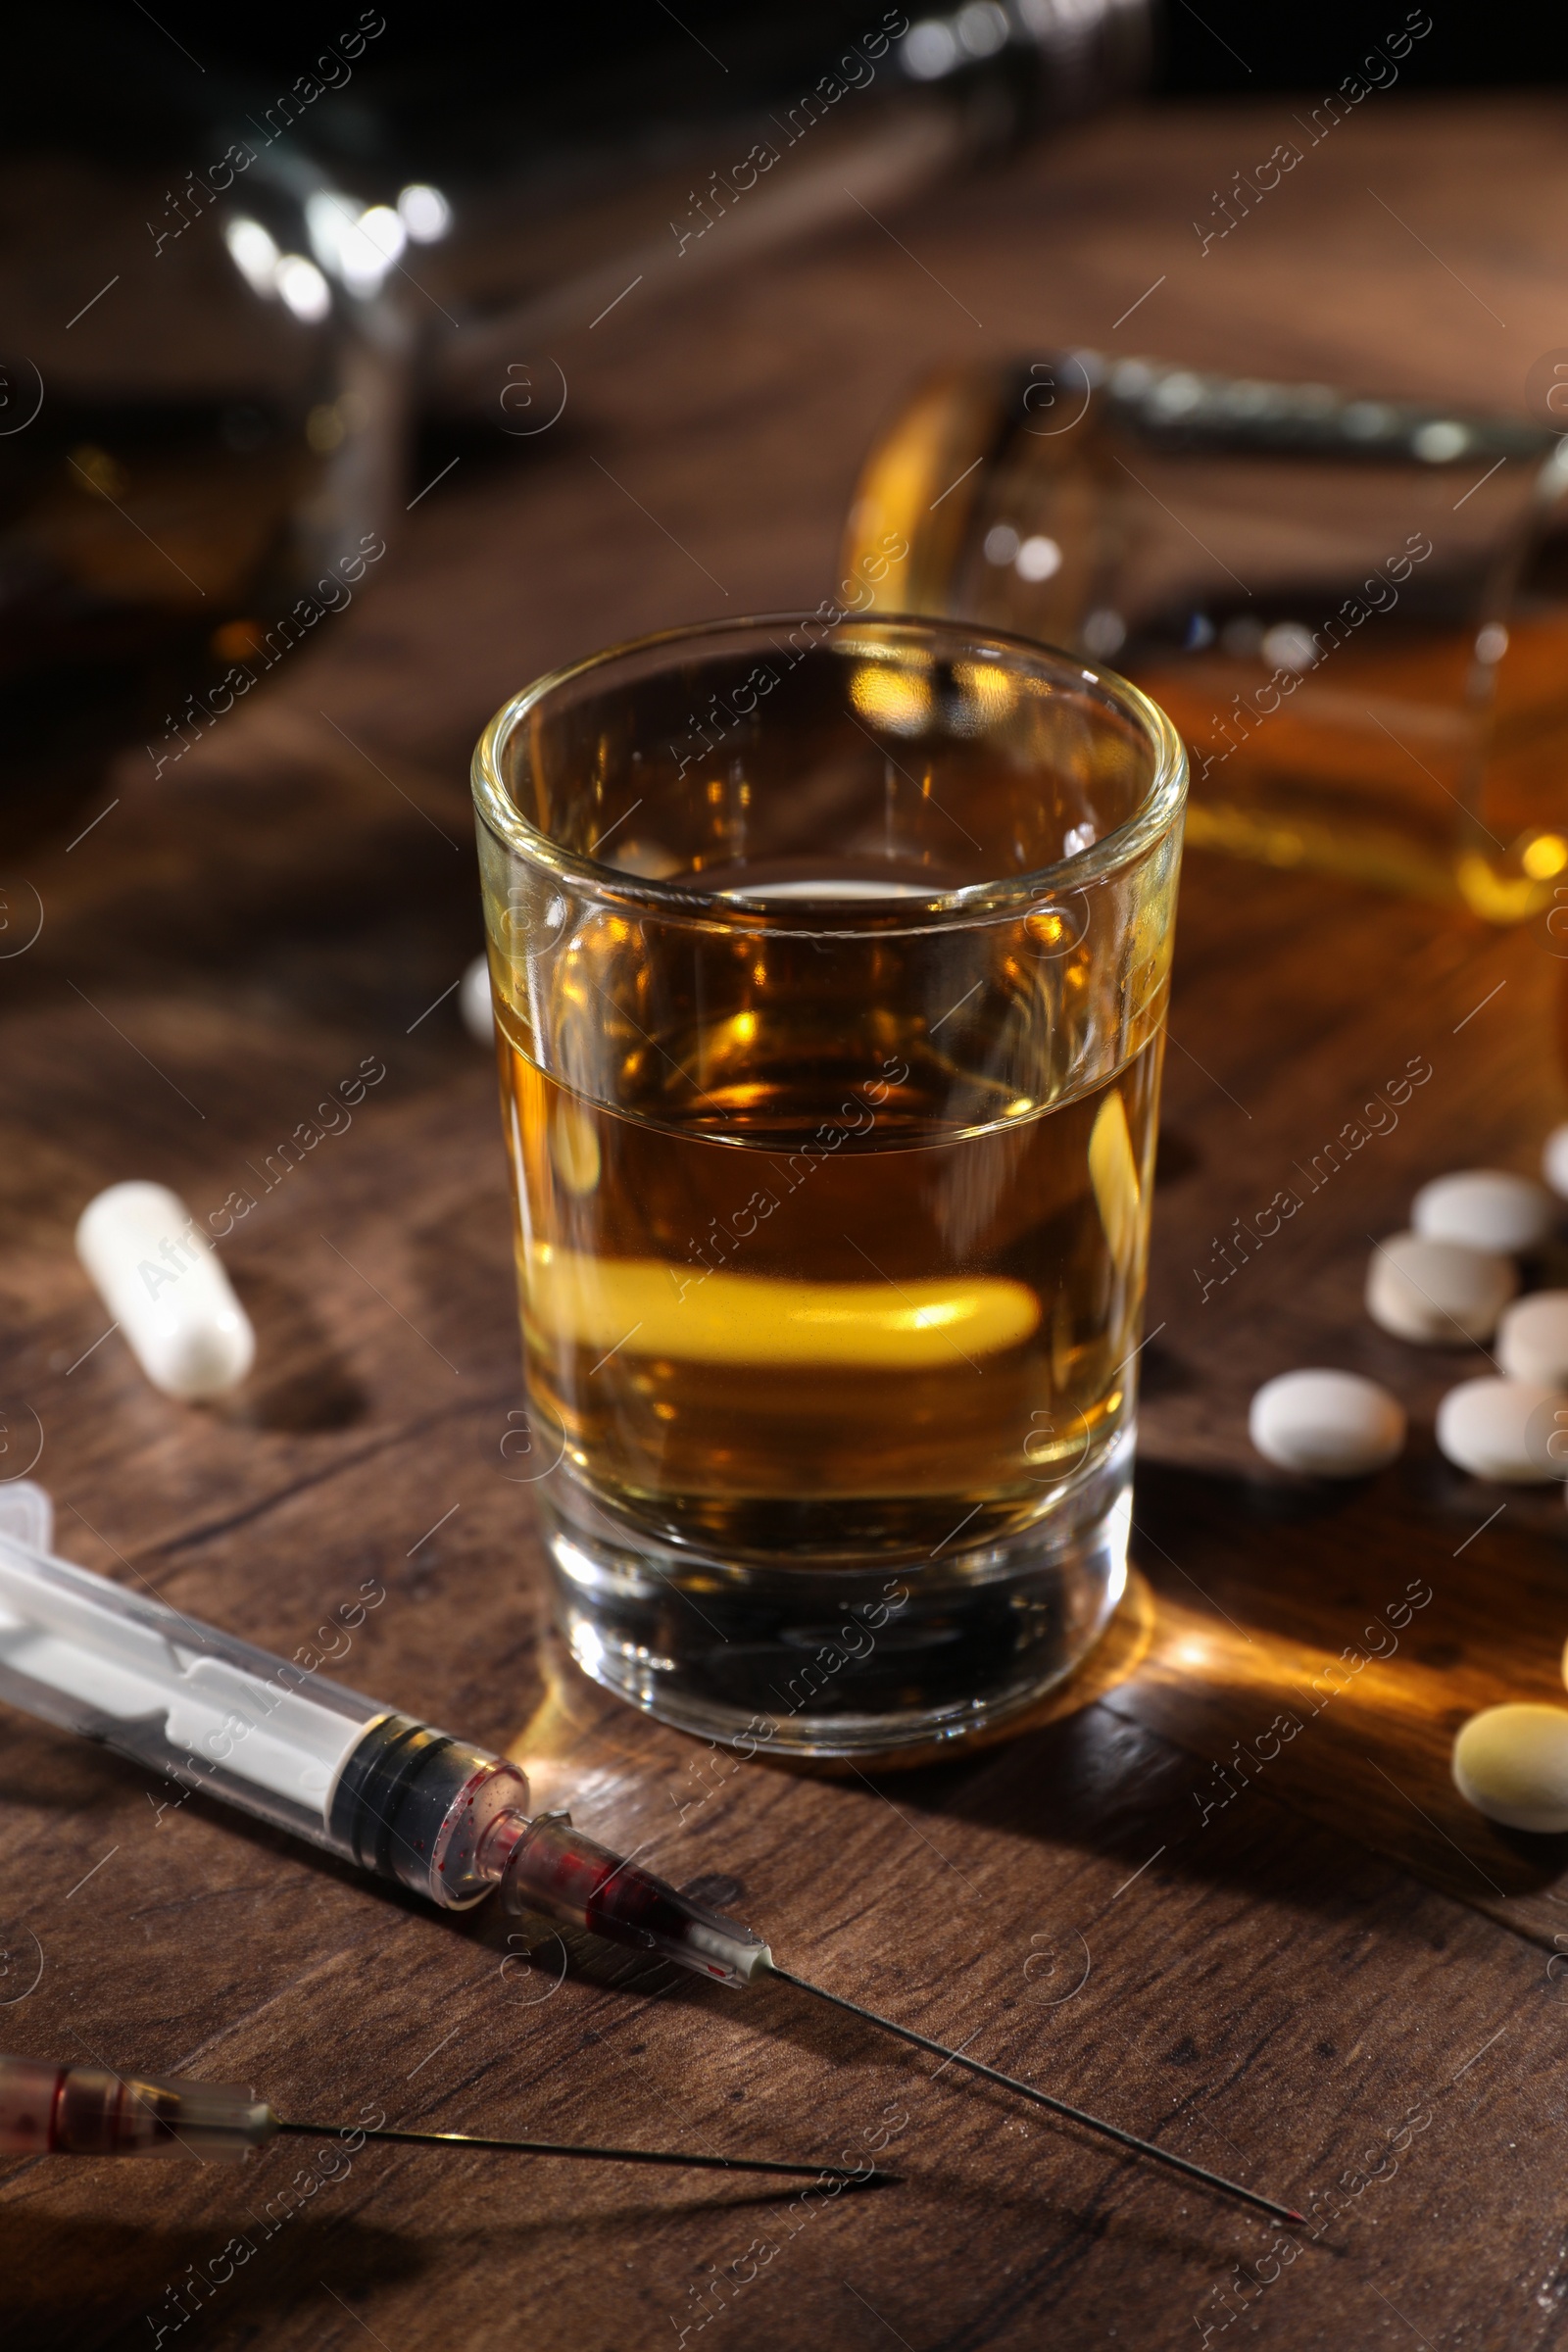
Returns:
(1454, 1279)
(1451, 1280)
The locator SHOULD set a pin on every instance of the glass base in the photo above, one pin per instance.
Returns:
(848, 1660)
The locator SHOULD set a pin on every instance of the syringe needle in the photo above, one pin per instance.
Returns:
(50, 2110)
(1027, 2091)
(544, 1864)
(845, 2173)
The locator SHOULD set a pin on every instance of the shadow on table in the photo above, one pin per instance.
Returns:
(75, 2284)
(1314, 1648)
(304, 1385)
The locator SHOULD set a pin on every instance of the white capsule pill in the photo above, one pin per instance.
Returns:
(1533, 1339)
(1438, 1292)
(478, 1013)
(1326, 1424)
(1511, 1763)
(1555, 1160)
(1515, 1430)
(1486, 1207)
(163, 1282)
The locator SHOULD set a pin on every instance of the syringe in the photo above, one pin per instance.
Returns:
(49, 2110)
(437, 1814)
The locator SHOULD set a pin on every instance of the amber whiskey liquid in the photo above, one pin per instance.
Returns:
(777, 1331)
(789, 1320)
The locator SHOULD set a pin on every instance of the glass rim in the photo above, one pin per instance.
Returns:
(1003, 897)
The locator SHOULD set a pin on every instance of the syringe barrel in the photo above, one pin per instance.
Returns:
(48, 2110)
(218, 1714)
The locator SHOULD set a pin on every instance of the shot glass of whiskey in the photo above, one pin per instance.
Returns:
(830, 961)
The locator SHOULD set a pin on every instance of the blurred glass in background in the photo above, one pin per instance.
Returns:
(257, 295)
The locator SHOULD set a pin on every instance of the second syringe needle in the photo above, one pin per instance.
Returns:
(847, 2175)
(52, 2110)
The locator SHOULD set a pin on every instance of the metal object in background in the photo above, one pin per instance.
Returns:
(1353, 606)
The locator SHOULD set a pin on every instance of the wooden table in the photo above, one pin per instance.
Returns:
(1314, 1970)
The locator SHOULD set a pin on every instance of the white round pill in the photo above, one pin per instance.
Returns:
(1486, 1207)
(1515, 1430)
(1533, 1339)
(1511, 1763)
(1439, 1292)
(1554, 1159)
(473, 995)
(1326, 1424)
(164, 1285)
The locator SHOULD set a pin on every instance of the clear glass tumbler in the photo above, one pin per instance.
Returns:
(830, 961)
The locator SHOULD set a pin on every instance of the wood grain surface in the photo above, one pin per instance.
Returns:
(1294, 1956)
